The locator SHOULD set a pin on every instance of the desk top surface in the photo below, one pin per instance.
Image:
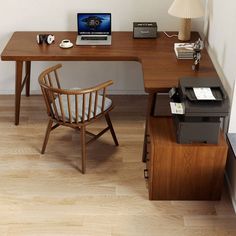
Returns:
(161, 69)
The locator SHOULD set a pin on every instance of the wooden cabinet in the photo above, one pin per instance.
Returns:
(182, 171)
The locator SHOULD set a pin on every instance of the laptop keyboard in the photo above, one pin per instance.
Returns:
(94, 38)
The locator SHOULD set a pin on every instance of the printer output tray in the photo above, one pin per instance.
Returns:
(216, 91)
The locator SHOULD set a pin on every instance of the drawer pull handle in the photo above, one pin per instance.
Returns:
(145, 173)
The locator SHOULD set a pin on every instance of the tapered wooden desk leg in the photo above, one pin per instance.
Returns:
(19, 68)
(151, 99)
(27, 72)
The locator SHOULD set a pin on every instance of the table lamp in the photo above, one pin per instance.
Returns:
(186, 9)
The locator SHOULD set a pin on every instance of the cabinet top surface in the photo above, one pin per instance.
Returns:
(162, 133)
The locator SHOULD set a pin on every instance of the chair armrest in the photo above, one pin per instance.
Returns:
(93, 89)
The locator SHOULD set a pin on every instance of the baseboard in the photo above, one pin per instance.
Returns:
(112, 92)
(231, 192)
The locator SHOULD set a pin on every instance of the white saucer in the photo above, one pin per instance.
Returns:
(69, 45)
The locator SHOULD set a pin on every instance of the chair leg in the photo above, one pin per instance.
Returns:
(83, 148)
(111, 129)
(50, 122)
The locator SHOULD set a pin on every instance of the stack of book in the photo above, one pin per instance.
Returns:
(184, 50)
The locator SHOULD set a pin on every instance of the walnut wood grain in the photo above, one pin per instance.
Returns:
(160, 67)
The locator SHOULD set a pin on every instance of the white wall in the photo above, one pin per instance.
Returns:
(220, 33)
(59, 15)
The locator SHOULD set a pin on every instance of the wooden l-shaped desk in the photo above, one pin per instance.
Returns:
(161, 69)
(175, 171)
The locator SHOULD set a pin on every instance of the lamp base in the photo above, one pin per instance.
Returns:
(185, 29)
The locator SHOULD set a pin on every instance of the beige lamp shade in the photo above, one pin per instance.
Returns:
(186, 9)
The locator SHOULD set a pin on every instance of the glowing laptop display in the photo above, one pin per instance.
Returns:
(94, 29)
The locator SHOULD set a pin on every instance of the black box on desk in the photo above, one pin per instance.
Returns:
(144, 30)
(201, 120)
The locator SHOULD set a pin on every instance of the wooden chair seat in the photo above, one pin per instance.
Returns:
(75, 108)
(107, 105)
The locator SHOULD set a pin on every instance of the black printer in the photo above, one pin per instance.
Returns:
(204, 101)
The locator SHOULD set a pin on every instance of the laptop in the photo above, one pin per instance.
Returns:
(94, 29)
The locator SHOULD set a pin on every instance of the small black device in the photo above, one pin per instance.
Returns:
(45, 38)
(174, 94)
(144, 30)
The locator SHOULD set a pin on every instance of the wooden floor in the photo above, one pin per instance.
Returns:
(46, 195)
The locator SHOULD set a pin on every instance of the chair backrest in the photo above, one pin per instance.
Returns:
(72, 105)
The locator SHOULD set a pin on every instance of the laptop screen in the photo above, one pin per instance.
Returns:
(94, 23)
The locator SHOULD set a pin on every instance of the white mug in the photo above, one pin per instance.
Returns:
(65, 43)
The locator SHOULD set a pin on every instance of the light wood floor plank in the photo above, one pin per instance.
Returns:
(45, 195)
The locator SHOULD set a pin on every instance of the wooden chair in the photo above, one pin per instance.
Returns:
(75, 108)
